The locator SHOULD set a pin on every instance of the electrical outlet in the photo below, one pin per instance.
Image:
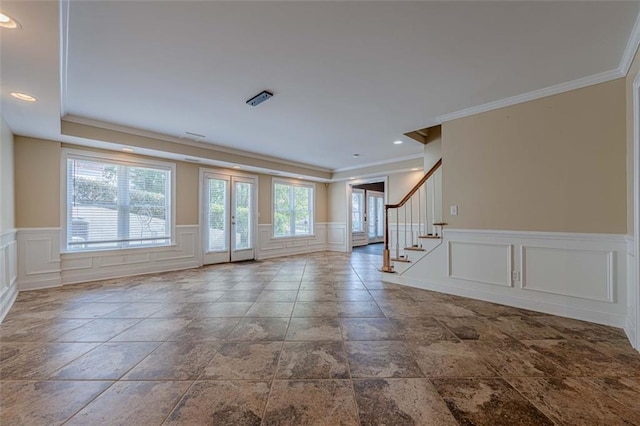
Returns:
(453, 210)
(515, 276)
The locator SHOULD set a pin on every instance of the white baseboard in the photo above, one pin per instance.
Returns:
(547, 307)
(8, 271)
(582, 276)
(38, 258)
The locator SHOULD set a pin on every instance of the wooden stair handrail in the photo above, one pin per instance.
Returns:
(386, 264)
(416, 187)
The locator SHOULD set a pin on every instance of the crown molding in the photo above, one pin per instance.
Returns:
(379, 163)
(631, 48)
(536, 94)
(625, 63)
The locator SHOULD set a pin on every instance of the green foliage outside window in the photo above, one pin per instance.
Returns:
(293, 206)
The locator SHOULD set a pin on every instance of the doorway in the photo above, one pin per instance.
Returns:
(375, 216)
(367, 213)
(229, 211)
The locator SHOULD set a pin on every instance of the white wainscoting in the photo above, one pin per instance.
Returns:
(337, 236)
(90, 266)
(632, 326)
(8, 271)
(587, 274)
(581, 276)
(41, 265)
(38, 258)
(487, 263)
(327, 236)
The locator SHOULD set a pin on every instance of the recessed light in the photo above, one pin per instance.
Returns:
(415, 169)
(23, 97)
(298, 177)
(356, 155)
(236, 167)
(351, 177)
(397, 142)
(7, 21)
(127, 149)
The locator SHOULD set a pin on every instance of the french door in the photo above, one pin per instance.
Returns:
(375, 216)
(229, 215)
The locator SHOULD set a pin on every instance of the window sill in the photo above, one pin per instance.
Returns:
(107, 252)
(293, 237)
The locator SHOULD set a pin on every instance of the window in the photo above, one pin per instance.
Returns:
(115, 204)
(292, 209)
(357, 210)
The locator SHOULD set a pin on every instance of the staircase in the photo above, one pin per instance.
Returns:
(410, 231)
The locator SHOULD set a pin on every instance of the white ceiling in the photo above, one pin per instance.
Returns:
(348, 77)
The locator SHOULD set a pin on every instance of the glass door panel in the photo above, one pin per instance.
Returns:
(229, 217)
(380, 218)
(375, 214)
(217, 217)
(242, 220)
(358, 218)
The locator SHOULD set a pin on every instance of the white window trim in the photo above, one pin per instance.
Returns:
(299, 183)
(126, 159)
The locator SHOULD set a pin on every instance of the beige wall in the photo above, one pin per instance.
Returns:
(399, 185)
(7, 202)
(337, 202)
(322, 202)
(37, 182)
(264, 199)
(553, 164)
(633, 73)
(187, 197)
(433, 149)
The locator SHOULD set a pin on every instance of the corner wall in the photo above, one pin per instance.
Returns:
(541, 190)
(8, 246)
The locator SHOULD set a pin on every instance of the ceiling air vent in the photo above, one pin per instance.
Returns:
(259, 98)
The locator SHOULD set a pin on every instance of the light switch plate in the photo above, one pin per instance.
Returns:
(453, 210)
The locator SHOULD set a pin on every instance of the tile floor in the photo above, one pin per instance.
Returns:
(316, 339)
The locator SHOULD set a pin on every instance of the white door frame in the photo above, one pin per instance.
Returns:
(635, 281)
(201, 207)
(348, 191)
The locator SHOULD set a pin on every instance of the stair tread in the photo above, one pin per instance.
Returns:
(430, 236)
(403, 260)
(440, 224)
(414, 248)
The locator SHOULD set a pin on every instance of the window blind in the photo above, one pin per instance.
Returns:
(117, 205)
